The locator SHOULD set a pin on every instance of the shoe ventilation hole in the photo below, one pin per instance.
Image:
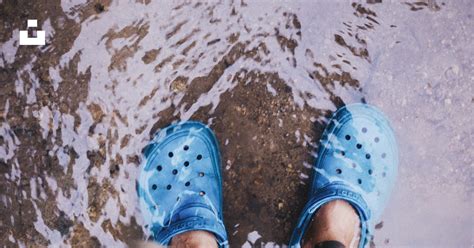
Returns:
(359, 181)
(199, 157)
(187, 184)
(348, 137)
(202, 193)
(384, 174)
(201, 174)
(367, 156)
(186, 148)
(384, 155)
(343, 153)
(175, 171)
(168, 187)
(364, 130)
(186, 163)
(376, 139)
(159, 168)
(370, 172)
(354, 165)
(338, 171)
(170, 154)
(359, 146)
(154, 187)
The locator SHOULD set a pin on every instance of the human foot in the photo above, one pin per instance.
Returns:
(180, 185)
(358, 163)
(194, 239)
(334, 221)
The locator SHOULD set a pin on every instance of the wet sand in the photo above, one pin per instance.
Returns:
(265, 76)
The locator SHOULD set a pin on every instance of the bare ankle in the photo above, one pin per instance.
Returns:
(194, 239)
(334, 221)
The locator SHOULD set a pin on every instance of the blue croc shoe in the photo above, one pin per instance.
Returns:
(357, 162)
(180, 184)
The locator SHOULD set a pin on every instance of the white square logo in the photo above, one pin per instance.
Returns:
(40, 38)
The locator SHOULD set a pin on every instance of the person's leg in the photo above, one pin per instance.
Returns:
(194, 239)
(335, 225)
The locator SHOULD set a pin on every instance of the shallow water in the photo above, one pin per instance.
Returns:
(265, 76)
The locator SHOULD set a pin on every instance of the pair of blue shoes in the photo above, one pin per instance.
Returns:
(180, 185)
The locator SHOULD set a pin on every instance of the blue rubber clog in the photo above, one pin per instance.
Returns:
(180, 184)
(357, 162)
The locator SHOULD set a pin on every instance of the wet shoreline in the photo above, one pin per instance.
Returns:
(264, 76)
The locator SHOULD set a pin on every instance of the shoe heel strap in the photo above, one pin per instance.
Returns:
(192, 224)
(332, 192)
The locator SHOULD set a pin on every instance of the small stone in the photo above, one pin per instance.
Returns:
(96, 112)
(179, 84)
